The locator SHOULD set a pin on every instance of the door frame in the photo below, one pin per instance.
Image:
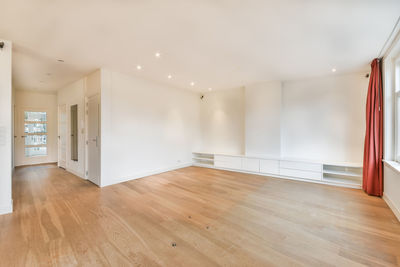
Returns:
(87, 98)
(19, 143)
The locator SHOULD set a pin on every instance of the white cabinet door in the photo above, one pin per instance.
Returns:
(251, 165)
(298, 165)
(301, 174)
(228, 162)
(269, 166)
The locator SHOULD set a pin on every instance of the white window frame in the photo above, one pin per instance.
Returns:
(396, 72)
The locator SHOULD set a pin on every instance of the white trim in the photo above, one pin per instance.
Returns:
(38, 163)
(80, 175)
(392, 206)
(149, 173)
(7, 209)
(392, 41)
(393, 165)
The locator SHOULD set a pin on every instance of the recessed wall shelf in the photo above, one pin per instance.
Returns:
(203, 159)
(343, 174)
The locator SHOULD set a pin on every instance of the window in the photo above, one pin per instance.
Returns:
(397, 108)
(35, 125)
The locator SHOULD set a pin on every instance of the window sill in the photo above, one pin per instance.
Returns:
(393, 165)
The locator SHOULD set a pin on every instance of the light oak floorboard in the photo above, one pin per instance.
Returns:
(215, 218)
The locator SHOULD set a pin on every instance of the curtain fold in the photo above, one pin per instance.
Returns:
(373, 145)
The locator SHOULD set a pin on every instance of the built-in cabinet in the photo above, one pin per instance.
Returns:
(344, 174)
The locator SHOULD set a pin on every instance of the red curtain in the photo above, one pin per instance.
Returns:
(373, 145)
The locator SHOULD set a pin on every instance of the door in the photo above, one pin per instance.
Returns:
(93, 108)
(31, 146)
(62, 136)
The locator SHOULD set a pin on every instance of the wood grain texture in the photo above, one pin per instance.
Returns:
(215, 217)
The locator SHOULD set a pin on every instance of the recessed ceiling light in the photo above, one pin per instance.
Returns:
(138, 67)
(48, 74)
(157, 54)
(60, 60)
(169, 76)
(210, 89)
(192, 84)
(333, 70)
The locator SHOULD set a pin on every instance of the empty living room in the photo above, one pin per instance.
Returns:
(200, 133)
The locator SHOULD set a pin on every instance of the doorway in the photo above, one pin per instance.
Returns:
(32, 136)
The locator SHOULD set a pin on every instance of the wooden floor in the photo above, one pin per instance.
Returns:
(193, 217)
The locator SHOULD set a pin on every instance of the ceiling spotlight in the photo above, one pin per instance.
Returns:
(48, 74)
(169, 76)
(192, 84)
(333, 70)
(210, 89)
(157, 54)
(138, 67)
(60, 60)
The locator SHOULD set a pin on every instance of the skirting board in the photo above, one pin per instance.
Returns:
(6, 209)
(145, 174)
(391, 205)
(80, 175)
(282, 177)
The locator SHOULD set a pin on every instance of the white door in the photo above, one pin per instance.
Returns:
(31, 138)
(93, 116)
(62, 136)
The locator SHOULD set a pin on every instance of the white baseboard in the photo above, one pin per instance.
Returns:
(149, 173)
(36, 163)
(392, 206)
(80, 175)
(6, 209)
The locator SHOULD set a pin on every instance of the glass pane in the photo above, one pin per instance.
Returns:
(34, 140)
(35, 116)
(35, 151)
(35, 128)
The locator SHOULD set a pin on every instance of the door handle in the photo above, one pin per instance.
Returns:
(23, 136)
(95, 140)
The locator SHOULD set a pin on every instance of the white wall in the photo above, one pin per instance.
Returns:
(5, 128)
(74, 94)
(48, 102)
(324, 118)
(222, 121)
(263, 119)
(145, 127)
(391, 187)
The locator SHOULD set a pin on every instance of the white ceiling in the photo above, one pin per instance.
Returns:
(215, 43)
